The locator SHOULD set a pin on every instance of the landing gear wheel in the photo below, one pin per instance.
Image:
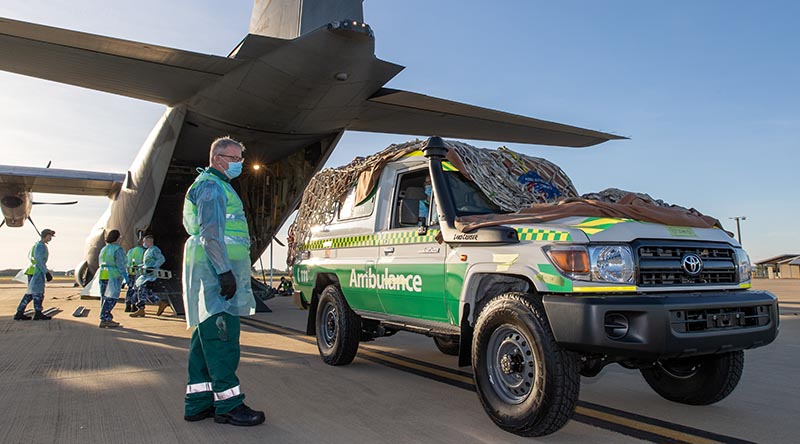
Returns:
(527, 384)
(338, 328)
(699, 380)
(447, 346)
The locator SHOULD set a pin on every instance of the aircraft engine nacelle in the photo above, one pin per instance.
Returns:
(15, 206)
(83, 274)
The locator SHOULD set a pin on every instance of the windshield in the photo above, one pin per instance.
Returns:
(468, 199)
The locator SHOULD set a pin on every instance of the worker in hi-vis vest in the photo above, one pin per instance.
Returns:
(113, 271)
(135, 258)
(37, 275)
(216, 289)
(152, 261)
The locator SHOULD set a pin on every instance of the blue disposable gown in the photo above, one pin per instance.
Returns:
(153, 259)
(36, 281)
(205, 254)
(114, 286)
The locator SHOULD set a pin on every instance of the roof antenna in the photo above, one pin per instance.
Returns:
(48, 166)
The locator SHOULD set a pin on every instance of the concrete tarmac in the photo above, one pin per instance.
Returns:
(68, 381)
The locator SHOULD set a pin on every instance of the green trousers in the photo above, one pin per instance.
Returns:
(213, 359)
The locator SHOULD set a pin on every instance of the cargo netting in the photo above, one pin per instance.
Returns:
(509, 179)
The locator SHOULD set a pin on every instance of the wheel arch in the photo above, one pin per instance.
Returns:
(481, 284)
(484, 282)
(321, 281)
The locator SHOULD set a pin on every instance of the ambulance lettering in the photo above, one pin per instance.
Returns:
(386, 281)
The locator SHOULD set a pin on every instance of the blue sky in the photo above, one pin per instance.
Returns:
(707, 91)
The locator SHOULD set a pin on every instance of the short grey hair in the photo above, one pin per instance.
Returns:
(221, 144)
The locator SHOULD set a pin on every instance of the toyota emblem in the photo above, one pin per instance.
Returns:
(692, 264)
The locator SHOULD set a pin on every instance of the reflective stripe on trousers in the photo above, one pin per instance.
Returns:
(227, 394)
(200, 387)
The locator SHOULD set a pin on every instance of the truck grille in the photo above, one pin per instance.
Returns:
(660, 264)
(710, 319)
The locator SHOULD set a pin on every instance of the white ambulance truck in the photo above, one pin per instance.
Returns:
(531, 306)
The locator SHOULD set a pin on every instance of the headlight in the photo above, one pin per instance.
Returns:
(603, 263)
(612, 263)
(743, 265)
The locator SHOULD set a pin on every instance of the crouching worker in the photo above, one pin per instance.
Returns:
(152, 261)
(113, 270)
(216, 289)
(135, 258)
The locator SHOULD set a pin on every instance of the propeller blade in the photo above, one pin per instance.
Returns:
(55, 203)
(279, 242)
(34, 226)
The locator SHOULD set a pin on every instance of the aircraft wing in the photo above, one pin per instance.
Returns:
(142, 71)
(51, 180)
(403, 112)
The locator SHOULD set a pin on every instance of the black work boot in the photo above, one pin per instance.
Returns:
(19, 316)
(207, 413)
(39, 316)
(241, 415)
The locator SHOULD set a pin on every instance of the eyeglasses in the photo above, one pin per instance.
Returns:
(231, 158)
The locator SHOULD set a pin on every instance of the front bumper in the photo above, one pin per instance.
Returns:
(663, 325)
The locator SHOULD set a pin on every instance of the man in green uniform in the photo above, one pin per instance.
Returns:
(37, 275)
(216, 289)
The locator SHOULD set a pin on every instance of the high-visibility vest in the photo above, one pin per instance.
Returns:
(108, 263)
(32, 267)
(31, 256)
(135, 259)
(237, 234)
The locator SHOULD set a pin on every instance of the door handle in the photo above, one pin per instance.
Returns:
(388, 250)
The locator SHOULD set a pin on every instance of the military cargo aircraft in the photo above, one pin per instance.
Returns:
(305, 73)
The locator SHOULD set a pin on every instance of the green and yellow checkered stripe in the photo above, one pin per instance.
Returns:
(407, 237)
(594, 225)
(342, 242)
(371, 240)
(535, 234)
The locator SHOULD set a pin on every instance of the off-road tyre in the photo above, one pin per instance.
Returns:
(514, 345)
(338, 328)
(700, 380)
(447, 346)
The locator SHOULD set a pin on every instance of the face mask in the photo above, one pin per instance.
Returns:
(428, 190)
(234, 170)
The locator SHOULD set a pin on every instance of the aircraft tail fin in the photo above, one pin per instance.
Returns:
(288, 19)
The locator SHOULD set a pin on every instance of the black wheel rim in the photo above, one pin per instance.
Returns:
(511, 364)
(330, 325)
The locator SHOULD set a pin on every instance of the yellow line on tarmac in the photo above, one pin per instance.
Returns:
(585, 411)
(362, 350)
(424, 368)
(654, 429)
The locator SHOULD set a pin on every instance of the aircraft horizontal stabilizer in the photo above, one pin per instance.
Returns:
(51, 180)
(142, 71)
(403, 112)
